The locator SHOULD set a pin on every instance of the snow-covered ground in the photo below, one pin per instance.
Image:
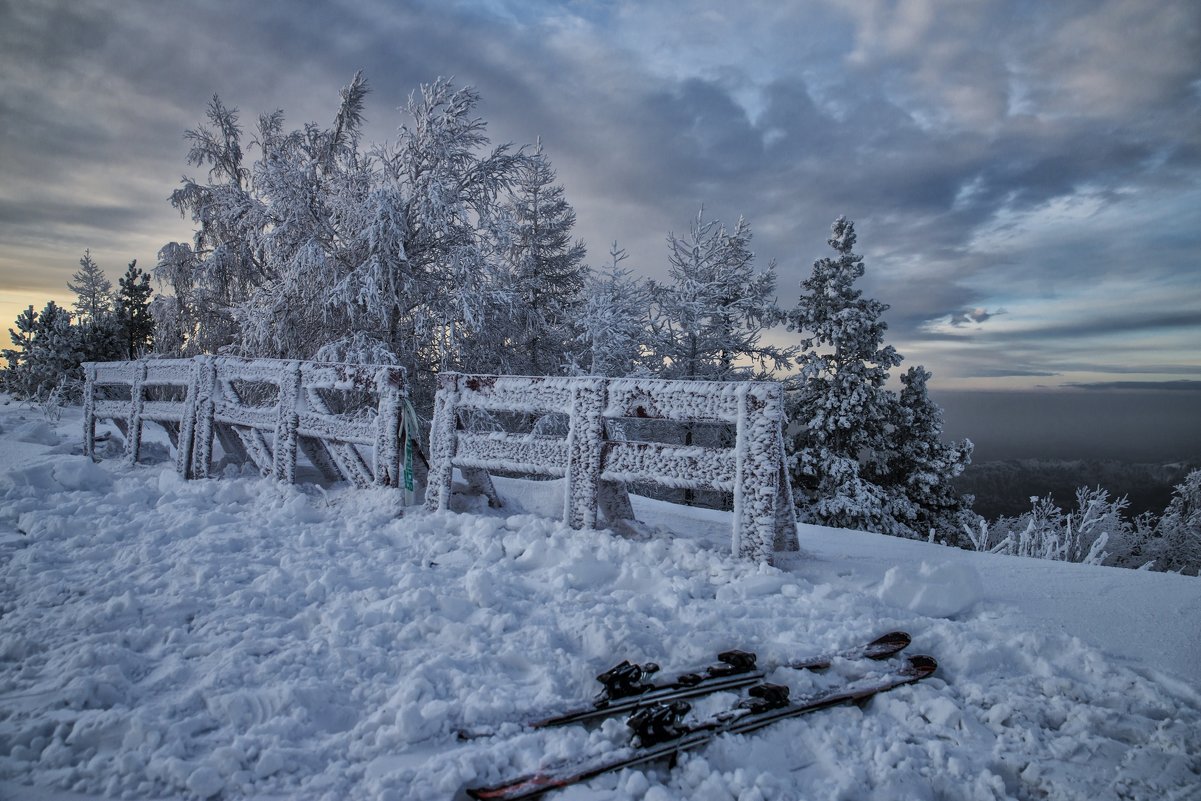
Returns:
(235, 638)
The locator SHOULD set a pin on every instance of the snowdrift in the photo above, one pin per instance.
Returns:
(239, 638)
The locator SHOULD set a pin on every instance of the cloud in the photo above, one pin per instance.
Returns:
(1168, 386)
(969, 316)
(991, 159)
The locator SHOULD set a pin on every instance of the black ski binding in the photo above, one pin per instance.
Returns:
(733, 663)
(659, 723)
(625, 680)
(765, 697)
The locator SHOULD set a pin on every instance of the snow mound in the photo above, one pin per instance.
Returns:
(35, 433)
(56, 474)
(942, 590)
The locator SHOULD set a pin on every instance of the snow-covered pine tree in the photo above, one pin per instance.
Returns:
(46, 355)
(839, 400)
(55, 355)
(707, 323)
(545, 279)
(617, 303)
(93, 291)
(920, 467)
(17, 357)
(133, 311)
(99, 334)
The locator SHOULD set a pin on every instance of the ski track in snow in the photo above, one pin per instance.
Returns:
(236, 638)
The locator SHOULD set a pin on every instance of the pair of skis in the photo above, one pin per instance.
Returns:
(658, 710)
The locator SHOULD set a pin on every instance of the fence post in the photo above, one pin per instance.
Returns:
(286, 422)
(89, 411)
(585, 431)
(206, 384)
(442, 443)
(133, 441)
(387, 428)
(785, 531)
(187, 425)
(756, 487)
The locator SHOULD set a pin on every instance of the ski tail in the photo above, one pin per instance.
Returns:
(882, 647)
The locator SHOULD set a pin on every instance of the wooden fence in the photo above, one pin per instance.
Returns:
(263, 411)
(597, 467)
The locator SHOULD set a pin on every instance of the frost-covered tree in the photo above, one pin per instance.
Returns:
(220, 269)
(1083, 534)
(839, 400)
(1179, 529)
(708, 321)
(428, 258)
(93, 291)
(320, 250)
(543, 292)
(133, 318)
(310, 184)
(272, 238)
(617, 303)
(170, 338)
(920, 467)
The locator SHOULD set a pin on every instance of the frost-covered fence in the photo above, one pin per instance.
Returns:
(174, 378)
(266, 411)
(597, 468)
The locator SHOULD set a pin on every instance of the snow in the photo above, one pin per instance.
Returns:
(238, 638)
(938, 590)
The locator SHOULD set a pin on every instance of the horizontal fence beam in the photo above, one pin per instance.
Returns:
(676, 466)
(526, 453)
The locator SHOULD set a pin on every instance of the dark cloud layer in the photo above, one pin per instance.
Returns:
(1040, 159)
(1136, 424)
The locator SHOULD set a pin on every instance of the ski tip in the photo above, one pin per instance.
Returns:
(922, 665)
(893, 639)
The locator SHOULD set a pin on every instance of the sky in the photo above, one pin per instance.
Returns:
(1025, 177)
